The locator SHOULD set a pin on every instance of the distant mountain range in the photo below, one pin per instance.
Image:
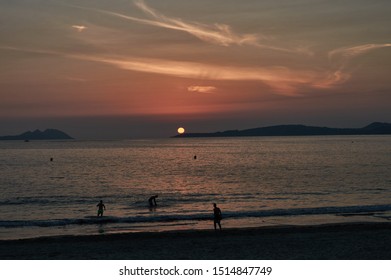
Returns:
(296, 130)
(48, 134)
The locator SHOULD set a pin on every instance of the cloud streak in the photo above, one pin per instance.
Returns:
(219, 34)
(79, 28)
(202, 89)
(281, 79)
(344, 56)
(350, 52)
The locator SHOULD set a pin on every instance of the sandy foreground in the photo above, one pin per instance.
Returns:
(369, 241)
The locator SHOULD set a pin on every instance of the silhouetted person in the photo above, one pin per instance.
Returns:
(101, 207)
(152, 201)
(216, 216)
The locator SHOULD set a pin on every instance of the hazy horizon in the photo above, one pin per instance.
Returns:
(157, 131)
(107, 69)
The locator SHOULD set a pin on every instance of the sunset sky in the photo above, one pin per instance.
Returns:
(133, 68)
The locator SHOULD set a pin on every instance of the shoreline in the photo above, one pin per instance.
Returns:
(346, 241)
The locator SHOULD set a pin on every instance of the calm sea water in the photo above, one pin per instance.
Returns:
(258, 181)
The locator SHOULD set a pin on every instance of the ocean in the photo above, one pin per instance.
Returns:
(51, 188)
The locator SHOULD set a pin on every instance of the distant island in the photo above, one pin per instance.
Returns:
(48, 134)
(375, 128)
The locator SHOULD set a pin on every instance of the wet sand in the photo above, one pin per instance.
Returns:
(368, 241)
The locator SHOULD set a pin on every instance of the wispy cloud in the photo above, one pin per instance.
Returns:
(217, 34)
(202, 89)
(282, 79)
(79, 28)
(350, 52)
(341, 57)
(333, 78)
(220, 34)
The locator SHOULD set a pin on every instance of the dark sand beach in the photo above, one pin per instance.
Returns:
(368, 241)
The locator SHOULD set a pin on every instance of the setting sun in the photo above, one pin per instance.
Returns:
(181, 130)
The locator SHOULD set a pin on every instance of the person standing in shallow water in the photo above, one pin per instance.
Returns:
(216, 216)
(101, 208)
(152, 201)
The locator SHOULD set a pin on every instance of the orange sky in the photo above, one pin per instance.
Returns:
(204, 65)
